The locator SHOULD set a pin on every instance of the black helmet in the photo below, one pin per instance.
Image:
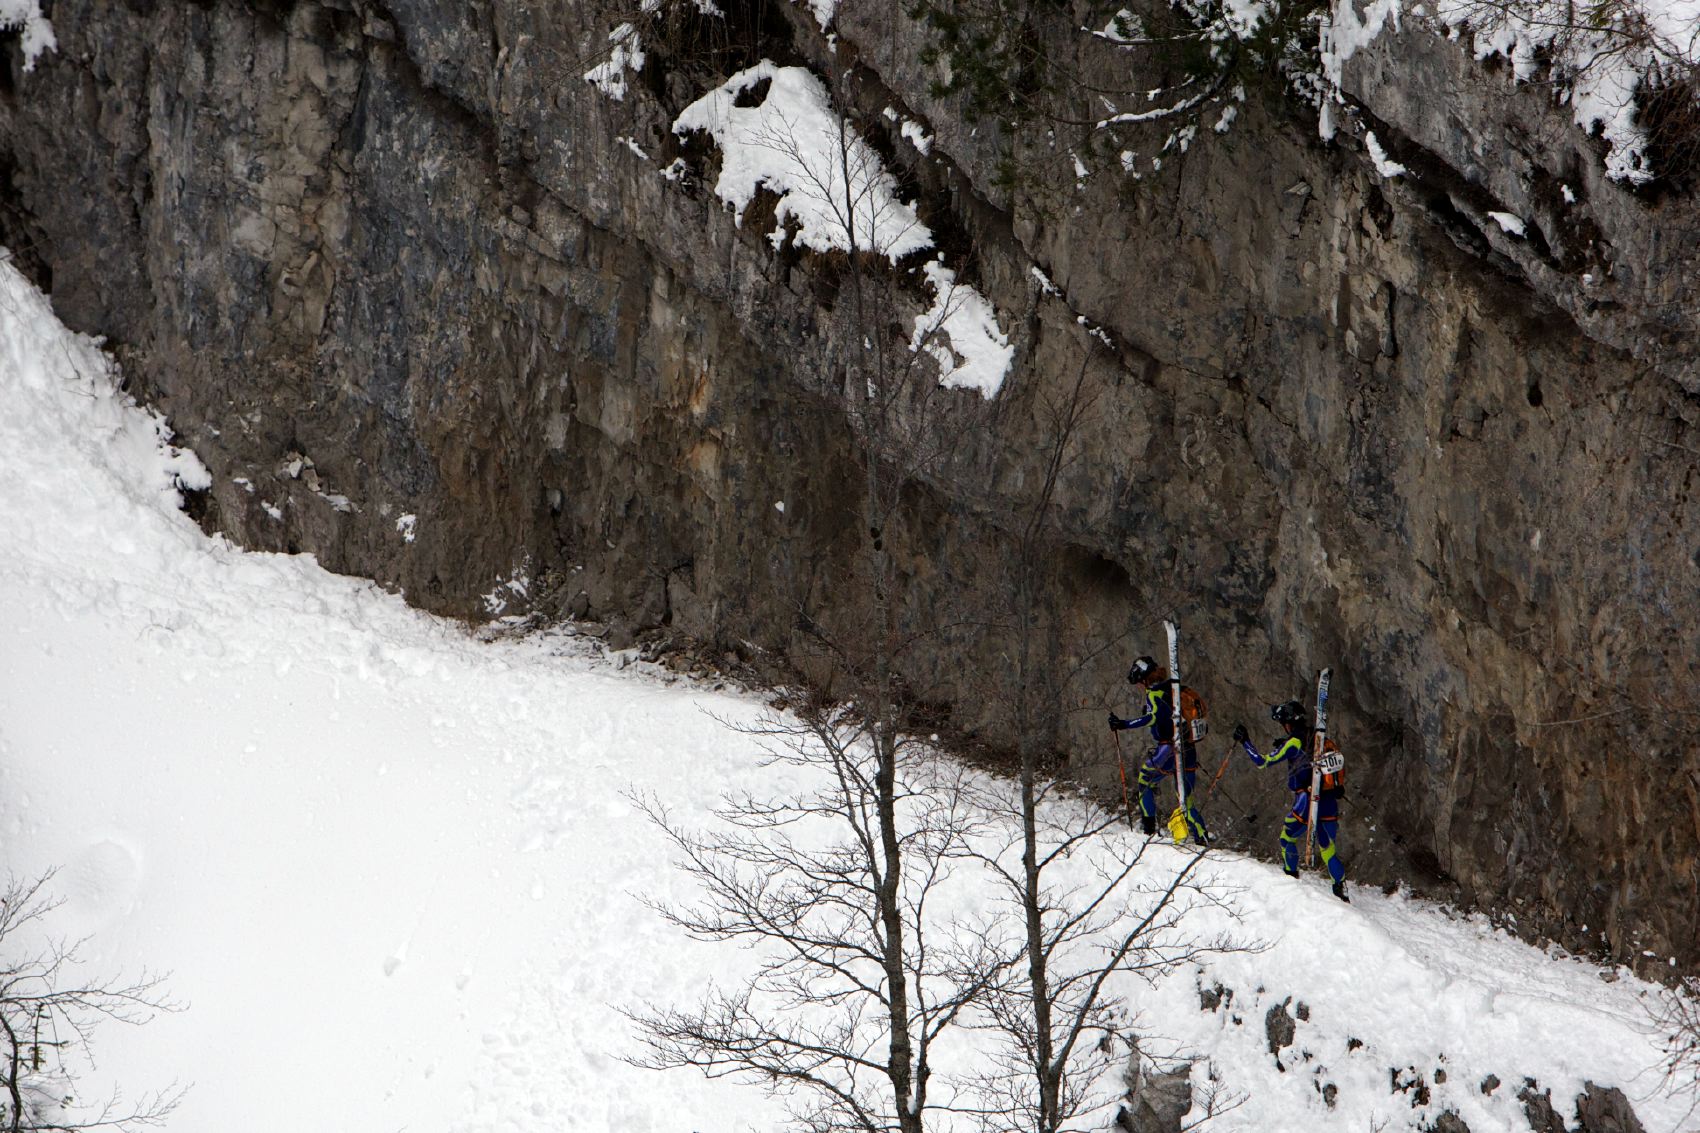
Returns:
(1292, 712)
(1140, 672)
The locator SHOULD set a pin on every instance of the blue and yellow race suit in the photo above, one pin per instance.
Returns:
(1160, 761)
(1295, 751)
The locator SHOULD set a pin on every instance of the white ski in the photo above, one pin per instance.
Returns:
(1318, 739)
(1175, 711)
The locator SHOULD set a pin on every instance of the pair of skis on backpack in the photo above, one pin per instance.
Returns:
(1326, 762)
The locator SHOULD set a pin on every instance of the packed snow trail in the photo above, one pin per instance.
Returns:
(393, 871)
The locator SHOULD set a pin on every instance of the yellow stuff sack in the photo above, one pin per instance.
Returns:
(1177, 826)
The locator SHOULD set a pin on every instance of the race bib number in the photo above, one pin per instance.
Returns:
(1199, 727)
(1331, 762)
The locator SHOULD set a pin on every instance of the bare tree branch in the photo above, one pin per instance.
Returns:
(38, 1086)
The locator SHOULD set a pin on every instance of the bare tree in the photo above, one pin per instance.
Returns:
(1068, 1025)
(1676, 1019)
(863, 975)
(859, 975)
(47, 1010)
(1092, 911)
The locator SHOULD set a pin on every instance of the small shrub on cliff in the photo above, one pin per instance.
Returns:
(1179, 66)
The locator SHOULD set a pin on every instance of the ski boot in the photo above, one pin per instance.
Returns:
(1292, 873)
(1148, 824)
(1340, 892)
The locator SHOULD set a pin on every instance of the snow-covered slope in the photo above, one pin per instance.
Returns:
(389, 867)
(393, 872)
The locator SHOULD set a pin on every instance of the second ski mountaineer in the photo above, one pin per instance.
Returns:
(1294, 749)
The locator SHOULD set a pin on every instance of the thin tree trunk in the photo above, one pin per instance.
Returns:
(901, 1056)
(1035, 701)
(13, 1049)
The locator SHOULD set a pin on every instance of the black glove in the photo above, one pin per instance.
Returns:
(1241, 735)
(1117, 723)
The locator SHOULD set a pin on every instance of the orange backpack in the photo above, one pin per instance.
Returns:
(1333, 765)
(1193, 711)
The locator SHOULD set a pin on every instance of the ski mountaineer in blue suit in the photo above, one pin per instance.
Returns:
(1153, 685)
(1295, 751)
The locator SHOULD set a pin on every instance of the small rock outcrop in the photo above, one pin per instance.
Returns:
(1606, 1109)
(1158, 1103)
(1279, 1027)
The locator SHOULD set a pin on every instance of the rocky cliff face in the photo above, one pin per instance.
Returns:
(420, 297)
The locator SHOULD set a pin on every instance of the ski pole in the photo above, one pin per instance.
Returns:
(1121, 765)
(1219, 772)
(1211, 789)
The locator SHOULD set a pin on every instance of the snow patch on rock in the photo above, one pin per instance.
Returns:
(36, 33)
(625, 53)
(777, 130)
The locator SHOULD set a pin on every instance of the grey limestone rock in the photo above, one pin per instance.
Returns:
(1278, 1027)
(1605, 1109)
